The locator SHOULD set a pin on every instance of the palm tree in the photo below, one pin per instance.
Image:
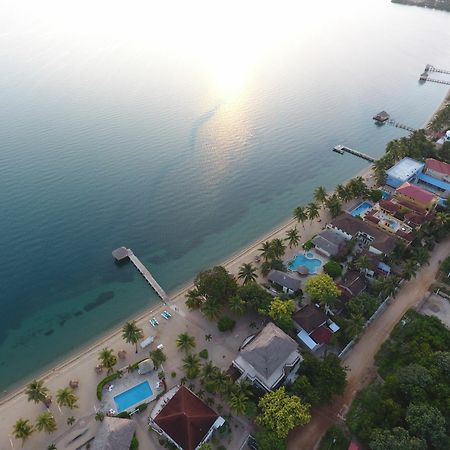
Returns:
(362, 263)
(52, 447)
(389, 285)
(343, 193)
(212, 309)
(293, 237)
(278, 248)
(313, 211)
(158, 357)
(131, 333)
(320, 194)
(99, 416)
(193, 299)
(71, 420)
(244, 387)
(266, 250)
(191, 365)
(238, 403)
(247, 272)
(354, 325)
(409, 270)
(208, 370)
(237, 305)
(422, 256)
(301, 215)
(46, 422)
(36, 391)
(443, 217)
(66, 397)
(334, 205)
(185, 342)
(22, 429)
(208, 337)
(108, 359)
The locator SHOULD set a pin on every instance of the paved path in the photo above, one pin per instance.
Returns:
(360, 360)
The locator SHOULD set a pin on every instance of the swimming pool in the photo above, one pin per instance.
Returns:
(133, 396)
(386, 195)
(311, 263)
(360, 209)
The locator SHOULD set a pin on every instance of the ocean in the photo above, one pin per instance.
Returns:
(183, 131)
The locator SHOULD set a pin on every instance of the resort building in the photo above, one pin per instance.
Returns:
(367, 234)
(181, 417)
(437, 169)
(411, 195)
(114, 434)
(313, 326)
(407, 169)
(267, 358)
(288, 283)
(352, 284)
(329, 243)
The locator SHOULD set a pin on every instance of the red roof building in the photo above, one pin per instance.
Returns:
(416, 195)
(440, 167)
(184, 418)
(322, 335)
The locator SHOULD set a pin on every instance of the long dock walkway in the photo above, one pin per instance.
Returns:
(342, 148)
(123, 253)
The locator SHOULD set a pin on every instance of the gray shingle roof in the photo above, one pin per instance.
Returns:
(269, 350)
(114, 434)
(283, 279)
(329, 241)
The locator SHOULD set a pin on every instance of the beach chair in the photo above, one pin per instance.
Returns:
(167, 313)
(164, 316)
(154, 320)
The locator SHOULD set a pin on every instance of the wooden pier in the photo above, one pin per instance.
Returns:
(122, 253)
(383, 117)
(342, 148)
(428, 69)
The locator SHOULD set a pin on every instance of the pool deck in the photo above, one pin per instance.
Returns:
(128, 381)
(323, 260)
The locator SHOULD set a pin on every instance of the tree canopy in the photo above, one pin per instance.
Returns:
(280, 311)
(216, 284)
(322, 289)
(332, 268)
(281, 412)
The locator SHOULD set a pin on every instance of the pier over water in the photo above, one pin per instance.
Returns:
(342, 148)
(122, 253)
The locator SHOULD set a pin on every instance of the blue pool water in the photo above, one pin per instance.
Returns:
(133, 396)
(386, 195)
(300, 260)
(360, 209)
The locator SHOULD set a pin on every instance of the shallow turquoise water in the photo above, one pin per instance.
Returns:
(134, 139)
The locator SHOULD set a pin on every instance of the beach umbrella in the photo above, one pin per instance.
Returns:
(302, 270)
(122, 354)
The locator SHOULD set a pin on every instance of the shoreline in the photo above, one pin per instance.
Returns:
(441, 105)
(175, 296)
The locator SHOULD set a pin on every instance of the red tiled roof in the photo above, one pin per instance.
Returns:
(322, 335)
(310, 317)
(437, 166)
(407, 236)
(416, 193)
(387, 205)
(354, 446)
(186, 419)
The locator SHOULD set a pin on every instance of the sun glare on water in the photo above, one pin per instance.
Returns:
(228, 39)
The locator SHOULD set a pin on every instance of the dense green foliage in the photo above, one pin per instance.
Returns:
(334, 439)
(254, 296)
(226, 323)
(268, 440)
(203, 354)
(281, 412)
(280, 311)
(322, 289)
(333, 269)
(320, 379)
(134, 443)
(411, 409)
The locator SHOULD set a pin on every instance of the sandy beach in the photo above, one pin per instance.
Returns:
(81, 364)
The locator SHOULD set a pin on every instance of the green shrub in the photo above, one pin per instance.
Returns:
(203, 354)
(308, 245)
(226, 323)
(134, 443)
(105, 380)
(173, 374)
(123, 415)
(375, 195)
(333, 269)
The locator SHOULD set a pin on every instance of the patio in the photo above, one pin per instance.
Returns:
(128, 381)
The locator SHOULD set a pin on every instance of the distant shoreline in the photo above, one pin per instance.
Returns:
(432, 4)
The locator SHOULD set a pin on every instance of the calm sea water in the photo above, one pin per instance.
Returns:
(184, 133)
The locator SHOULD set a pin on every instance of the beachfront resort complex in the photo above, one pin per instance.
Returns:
(239, 358)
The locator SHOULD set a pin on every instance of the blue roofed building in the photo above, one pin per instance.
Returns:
(406, 170)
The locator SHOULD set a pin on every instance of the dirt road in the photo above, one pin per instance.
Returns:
(360, 360)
